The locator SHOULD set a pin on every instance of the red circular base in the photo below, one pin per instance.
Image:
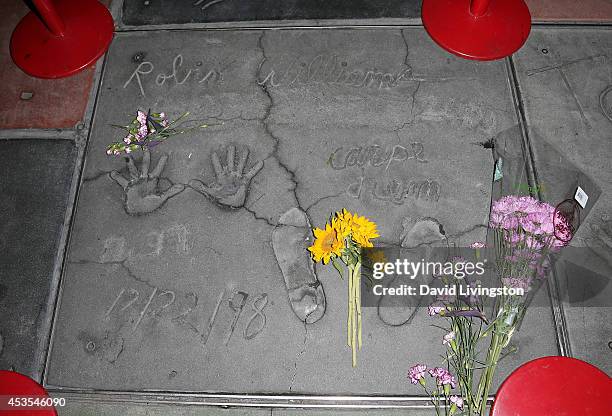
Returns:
(553, 386)
(17, 385)
(500, 32)
(89, 31)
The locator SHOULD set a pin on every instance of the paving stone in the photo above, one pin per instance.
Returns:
(566, 85)
(570, 11)
(85, 408)
(36, 178)
(28, 102)
(138, 291)
(148, 12)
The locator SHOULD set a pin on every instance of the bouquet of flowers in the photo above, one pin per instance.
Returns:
(525, 232)
(148, 130)
(341, 242)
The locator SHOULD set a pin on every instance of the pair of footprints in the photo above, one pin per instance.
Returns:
(290, 238)
(229, 189)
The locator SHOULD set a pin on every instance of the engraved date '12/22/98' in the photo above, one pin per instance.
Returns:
(160, 302)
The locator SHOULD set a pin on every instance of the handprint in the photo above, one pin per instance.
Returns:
(231, 186)
(141, 195)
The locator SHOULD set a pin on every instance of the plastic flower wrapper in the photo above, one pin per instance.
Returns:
(148, 130)
(340, 242)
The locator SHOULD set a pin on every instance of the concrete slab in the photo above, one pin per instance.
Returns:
(27, 102)
(566, 83)
(139, 290)
(36, 179)
(148, 12)
(86, 408)
(570, 11)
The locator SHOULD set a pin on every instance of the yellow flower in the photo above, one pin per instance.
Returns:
(342, 223)
(361, 229)
(327, 244)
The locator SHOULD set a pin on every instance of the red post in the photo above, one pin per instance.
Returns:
(49, 16)
(479, 7)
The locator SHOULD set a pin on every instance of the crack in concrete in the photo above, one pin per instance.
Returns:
(323, 198)
(257, 216)
(299, 354)
(121, 263)
(268, 130)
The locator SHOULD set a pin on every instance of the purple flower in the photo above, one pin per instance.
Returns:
(478, 244)
(470, 313)
(457, 401)
(416, 373)
(435, 308)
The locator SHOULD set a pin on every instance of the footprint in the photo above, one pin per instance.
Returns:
(418, 240)
(426, 230)
(290, 239)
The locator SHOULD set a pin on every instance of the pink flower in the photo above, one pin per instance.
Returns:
(458, 401)
(443, 377)
(416, 373)
(142, 132)
(142, 118)
(516, 282)
(109, 152)
(478, 244)
(128, 139)
(446, 339)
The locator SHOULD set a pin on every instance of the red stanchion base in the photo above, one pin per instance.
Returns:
(500, 32)
(88, 33)
(20, 388)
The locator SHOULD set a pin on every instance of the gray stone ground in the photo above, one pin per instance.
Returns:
(138, 290)
(567, 93)
(36, 177)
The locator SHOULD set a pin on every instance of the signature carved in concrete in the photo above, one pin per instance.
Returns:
(141, 195)
(231, 185)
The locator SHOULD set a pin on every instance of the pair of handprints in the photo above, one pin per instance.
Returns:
(229, 189)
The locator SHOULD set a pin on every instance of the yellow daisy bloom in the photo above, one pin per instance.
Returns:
(326, 244)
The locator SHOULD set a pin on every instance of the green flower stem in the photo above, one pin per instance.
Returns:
(357, 287)
(498, 341)
(353, 335)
